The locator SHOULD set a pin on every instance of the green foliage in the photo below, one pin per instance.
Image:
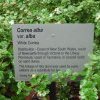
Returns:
(48, 11)
(90, 85)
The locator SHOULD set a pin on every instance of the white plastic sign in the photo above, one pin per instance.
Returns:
(48, 48)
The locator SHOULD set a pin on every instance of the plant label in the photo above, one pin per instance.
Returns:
(49, 48)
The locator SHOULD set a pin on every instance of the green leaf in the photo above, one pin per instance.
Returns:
(1, 76)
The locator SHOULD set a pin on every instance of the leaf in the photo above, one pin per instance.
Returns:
(1, 76)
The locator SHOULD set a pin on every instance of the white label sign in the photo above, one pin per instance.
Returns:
(48, 48)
